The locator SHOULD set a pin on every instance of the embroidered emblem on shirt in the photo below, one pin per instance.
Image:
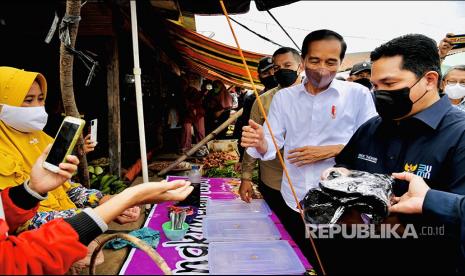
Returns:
(333, 112)
(34, 141)
(423, 171)
(410, 167)
(367, 158)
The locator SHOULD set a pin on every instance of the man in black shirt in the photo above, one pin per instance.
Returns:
(267, 78)
(416, 131)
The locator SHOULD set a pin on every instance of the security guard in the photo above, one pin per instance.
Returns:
(416, 131)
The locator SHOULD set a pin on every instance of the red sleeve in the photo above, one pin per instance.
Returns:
(51, 249)
(14, 215)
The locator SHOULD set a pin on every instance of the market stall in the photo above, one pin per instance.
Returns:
(191, 255)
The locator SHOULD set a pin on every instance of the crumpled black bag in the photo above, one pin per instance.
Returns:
(368, 193)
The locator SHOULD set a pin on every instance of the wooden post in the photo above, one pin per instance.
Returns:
(114, 119)
(73, 8)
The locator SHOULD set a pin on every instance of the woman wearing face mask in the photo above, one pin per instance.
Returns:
(22, 118)
(453, 84)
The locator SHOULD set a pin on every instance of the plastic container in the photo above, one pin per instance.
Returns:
(223, 146)
(239, 229)
(253, 258)
(174, 235)
(237, 207)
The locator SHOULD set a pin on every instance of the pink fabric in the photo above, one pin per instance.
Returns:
(199, 132)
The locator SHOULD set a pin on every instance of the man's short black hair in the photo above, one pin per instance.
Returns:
(285, 50)
(323, 35)
(419, 53)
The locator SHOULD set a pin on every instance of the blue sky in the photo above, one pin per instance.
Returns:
(364, 24)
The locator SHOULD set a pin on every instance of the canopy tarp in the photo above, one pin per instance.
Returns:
(212, 59)
(211, 7)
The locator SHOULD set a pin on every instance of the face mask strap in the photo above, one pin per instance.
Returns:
(416, 84)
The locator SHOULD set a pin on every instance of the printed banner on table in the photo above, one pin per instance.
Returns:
(189, 256)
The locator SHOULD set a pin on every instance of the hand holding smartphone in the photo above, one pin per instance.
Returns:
(93, 130)
(458, 41)
(64, 143)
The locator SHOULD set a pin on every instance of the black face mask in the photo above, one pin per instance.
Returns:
(394, 104)
(286, 77)
(269, 82)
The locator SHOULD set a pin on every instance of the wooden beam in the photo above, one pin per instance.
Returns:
(114, 118)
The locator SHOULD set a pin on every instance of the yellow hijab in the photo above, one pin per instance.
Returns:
(18, 150)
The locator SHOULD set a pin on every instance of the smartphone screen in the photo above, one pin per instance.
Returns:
(458, 41)
(62, 142)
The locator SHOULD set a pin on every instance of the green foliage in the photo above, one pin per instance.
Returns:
(106, 183)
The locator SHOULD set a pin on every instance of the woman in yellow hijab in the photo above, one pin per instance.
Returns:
(22, 118)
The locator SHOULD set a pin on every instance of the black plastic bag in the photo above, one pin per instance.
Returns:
(368, 193)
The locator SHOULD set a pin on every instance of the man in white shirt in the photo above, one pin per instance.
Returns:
(312, 121)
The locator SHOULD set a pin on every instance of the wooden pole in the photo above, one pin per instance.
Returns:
(114, 123)
(205, 140)
(73, 8)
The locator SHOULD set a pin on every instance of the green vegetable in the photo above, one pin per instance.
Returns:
(98, 170)
(227, 172)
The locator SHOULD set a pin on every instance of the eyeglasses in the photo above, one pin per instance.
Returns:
(453, 82)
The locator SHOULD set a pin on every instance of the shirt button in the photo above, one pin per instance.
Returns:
(391, 157)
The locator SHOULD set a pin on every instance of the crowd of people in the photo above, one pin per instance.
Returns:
(393, 111)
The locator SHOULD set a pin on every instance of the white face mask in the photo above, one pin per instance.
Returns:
(455, 91)
(24, 119)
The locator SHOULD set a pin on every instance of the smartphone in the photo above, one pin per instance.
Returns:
(64, 143)
(458, 41)
(93, 130)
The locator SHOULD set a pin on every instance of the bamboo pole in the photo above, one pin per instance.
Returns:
(205, 140)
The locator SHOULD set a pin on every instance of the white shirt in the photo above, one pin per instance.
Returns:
(298, 118)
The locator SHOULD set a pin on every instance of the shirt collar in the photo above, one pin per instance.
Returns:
(334, 85)
(462, 102)
(433, 115)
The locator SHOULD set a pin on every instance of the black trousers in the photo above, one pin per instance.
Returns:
(274, 199)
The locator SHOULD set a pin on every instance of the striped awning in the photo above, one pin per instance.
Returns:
(212, 59)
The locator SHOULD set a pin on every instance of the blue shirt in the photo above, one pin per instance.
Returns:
(450, 209)
(461, 105)
(430, 144)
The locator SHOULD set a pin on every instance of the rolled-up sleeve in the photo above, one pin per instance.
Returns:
(276, 120)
